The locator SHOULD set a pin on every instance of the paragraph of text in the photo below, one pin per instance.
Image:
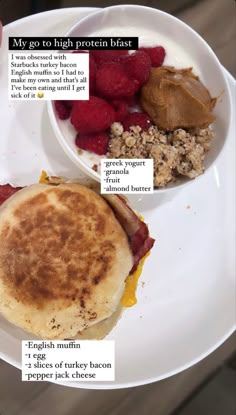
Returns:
(48, 76)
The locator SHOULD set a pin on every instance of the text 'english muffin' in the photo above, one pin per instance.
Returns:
(64, 258)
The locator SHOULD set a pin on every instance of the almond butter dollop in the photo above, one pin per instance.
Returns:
(177, 99)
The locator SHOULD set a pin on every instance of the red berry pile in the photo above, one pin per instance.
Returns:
(115, 79)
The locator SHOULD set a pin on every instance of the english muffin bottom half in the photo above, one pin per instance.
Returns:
(64, 259)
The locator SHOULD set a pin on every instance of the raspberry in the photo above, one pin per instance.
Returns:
(6, 191)
(92, 74)
(68, 103)
(137, 119)
(156, 54)
(63, 110)
(103, 56)
(121, 109)
(96, 143)
(112, 82)
(137, 66)
(92, 116)
(132, 101)
(92, 71)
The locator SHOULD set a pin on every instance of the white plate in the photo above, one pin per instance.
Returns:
(186, 296)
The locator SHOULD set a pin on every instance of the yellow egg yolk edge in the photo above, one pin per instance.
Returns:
(128, 298)
(43, 177)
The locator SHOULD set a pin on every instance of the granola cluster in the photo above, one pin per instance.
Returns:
(176, 153)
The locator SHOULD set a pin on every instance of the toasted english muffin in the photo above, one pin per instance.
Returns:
(64, 259)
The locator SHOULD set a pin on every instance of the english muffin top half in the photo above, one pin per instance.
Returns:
(64, 259)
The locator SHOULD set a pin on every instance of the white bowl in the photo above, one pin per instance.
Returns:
(184, 48)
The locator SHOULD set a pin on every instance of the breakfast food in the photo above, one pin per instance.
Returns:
(92, 116)
(135, 118)
(65, 253)
(177, 99)
(176, 153)
(104, 56)
(63, 109)
(157, 55)
(6, 191)
(155, 111)
(115, 78)
(121, 109)
(137, 66)
(112, 81)
(94, 142)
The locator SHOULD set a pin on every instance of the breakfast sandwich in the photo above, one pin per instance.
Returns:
(65, 254)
